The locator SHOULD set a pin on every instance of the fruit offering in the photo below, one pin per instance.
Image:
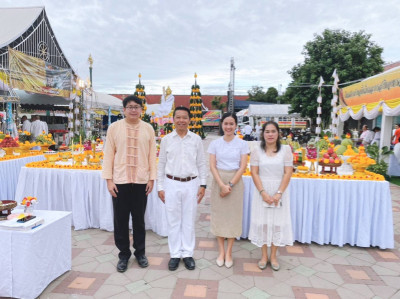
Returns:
(311, 150)
(349, 151)
(361, 161)
(45, 139)
(323, 144)
(344, 145)
(330, 157)
(8, 141)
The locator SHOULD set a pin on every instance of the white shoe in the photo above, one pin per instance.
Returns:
(229, 264)
(220, 263)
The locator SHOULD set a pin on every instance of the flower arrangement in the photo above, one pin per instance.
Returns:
(369, 176)
(46, 164)
(29, 200)
(6, 158)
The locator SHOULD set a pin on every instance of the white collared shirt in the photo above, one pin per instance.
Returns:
(26, 126)
(181, 157)
(37, 128)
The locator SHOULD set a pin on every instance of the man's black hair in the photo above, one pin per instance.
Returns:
(183, 108)
(132, 98)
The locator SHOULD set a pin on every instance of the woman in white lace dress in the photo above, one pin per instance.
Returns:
(271, 169)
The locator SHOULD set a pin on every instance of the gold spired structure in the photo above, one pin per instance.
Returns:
(196, 126)
(141, 94)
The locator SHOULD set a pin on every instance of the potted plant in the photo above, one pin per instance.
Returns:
(379, 155)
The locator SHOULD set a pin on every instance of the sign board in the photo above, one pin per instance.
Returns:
(212, 118)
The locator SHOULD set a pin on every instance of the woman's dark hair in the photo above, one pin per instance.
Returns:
(278, 141)
(182, 108)
(376, 129)
(225, 115)
(132, 98)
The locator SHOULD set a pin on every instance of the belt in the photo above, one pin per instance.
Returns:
(181, 179)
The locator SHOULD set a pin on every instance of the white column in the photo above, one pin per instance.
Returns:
(386, 130)
(340, 126)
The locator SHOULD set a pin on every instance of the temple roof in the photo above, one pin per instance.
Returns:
(15, 21)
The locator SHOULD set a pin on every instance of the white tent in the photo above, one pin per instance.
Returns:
(243, 112)
(276, 110)
(105, 101)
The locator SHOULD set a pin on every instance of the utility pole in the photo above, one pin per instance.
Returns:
(231, 91)
(90, 61)
(279, 92)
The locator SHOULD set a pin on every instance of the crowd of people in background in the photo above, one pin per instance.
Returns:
(35, 126)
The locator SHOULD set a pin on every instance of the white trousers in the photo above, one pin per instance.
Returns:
(181, 208)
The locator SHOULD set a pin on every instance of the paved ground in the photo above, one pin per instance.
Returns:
(307, 271)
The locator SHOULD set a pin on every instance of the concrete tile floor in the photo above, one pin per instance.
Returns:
(307, 271)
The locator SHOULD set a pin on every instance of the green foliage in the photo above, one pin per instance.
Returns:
(23, 137)
(377, 154)
(283, 99)
(271, 95)
(257, 94)
(146, 118)
(216, 103)
(168, 128)
(155, 126)
(354, 56)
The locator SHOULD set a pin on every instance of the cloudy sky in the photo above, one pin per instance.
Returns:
(169, 40)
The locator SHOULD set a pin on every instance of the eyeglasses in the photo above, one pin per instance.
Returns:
(130, 108)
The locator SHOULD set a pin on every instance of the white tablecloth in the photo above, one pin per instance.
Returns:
(30, 260)
(82, 192)
(85, 194)
(394, 166)
(335, 211)
(9, 172)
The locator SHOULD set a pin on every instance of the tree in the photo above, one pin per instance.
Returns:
(353, 55)
(271, 95)
(216, 103)
(256, 94)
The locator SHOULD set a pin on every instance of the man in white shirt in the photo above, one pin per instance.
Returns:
(247, 132)
(26, 124)
(366, 136)
(37, 127)
(181, 182)
(377, 136)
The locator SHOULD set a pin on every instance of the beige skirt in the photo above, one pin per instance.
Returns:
(227, 212)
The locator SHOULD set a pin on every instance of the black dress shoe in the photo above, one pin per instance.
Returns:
(189, 263)
(142, 261)
(173, 263)
(122, 265)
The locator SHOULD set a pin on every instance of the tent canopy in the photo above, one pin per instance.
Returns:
(103, 100)
(372, 96)
(270, 110)
(243, 112)
(99, 101)
(16, 21)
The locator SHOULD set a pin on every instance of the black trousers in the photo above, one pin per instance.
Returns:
(131, 200)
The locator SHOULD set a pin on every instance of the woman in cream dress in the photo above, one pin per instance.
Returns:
(228, 161)
(271, 168)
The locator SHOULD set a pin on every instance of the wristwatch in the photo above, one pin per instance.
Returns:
(230, 184)
(204, 186)
(279, 192)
